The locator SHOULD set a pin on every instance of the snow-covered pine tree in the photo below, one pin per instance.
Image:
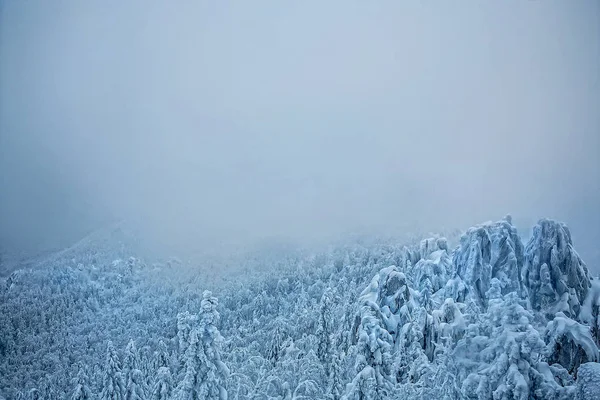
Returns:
(373, 366)
(449, 322)
(335, 388)
(204, 374)
(187, 389)
(325, 330)
(590, 311)
(49, 389)
(163, 385)
(136, 387)
(82, 390)
(570, 343)
(184, 327)
(34, 394)
(146, 365)
(507, 363)
(113, 386)
(162, 357)
(131, 360)
(344, 334)
(213, 372)
(274, 346)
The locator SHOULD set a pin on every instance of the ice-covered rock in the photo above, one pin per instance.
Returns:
(491, 250)
(436, 268)
(556, 278)
(431, 245)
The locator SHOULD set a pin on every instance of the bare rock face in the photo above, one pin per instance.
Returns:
(556, 278)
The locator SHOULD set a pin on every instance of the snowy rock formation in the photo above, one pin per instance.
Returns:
(556, 277)
(467, 320)
(490, 319)
(488, 251)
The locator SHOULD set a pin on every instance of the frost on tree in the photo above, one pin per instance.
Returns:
(445, 324)
(449, 322)
(184, 326)
(588, 382)
(161, 357)
(334, 378)
(590, 311)
(34, 394)
(556, 277)
(570, 343)
(325, 331)
(136, 387)
(384, 303)
(113, 385)
(387, 293)
(504, 359)
(131, 360)
(491, 250)
(163, 385)
(82, 390)
(204, 374)
(274, 349)
(215, 371)
(188, 387)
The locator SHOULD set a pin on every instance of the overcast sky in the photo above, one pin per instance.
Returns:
(236, 121)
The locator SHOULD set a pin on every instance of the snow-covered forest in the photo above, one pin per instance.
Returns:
(271, 200)
(487, 317)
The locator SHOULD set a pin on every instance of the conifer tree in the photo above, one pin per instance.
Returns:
(113, 385)
(324, 331)
(213, 372)
(34, 394)
(131, 360)
(162, 358)
(163, 385)
(82, 390)
(136, 387)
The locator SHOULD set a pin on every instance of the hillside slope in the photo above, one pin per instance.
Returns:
(491, 318)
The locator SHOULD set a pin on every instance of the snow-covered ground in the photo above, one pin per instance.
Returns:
(490, 318)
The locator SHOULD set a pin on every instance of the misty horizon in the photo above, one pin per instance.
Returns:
(209, 123)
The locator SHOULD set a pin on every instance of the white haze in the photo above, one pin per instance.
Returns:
(233, 122)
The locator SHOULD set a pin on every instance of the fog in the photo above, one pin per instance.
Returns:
(212, 123)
